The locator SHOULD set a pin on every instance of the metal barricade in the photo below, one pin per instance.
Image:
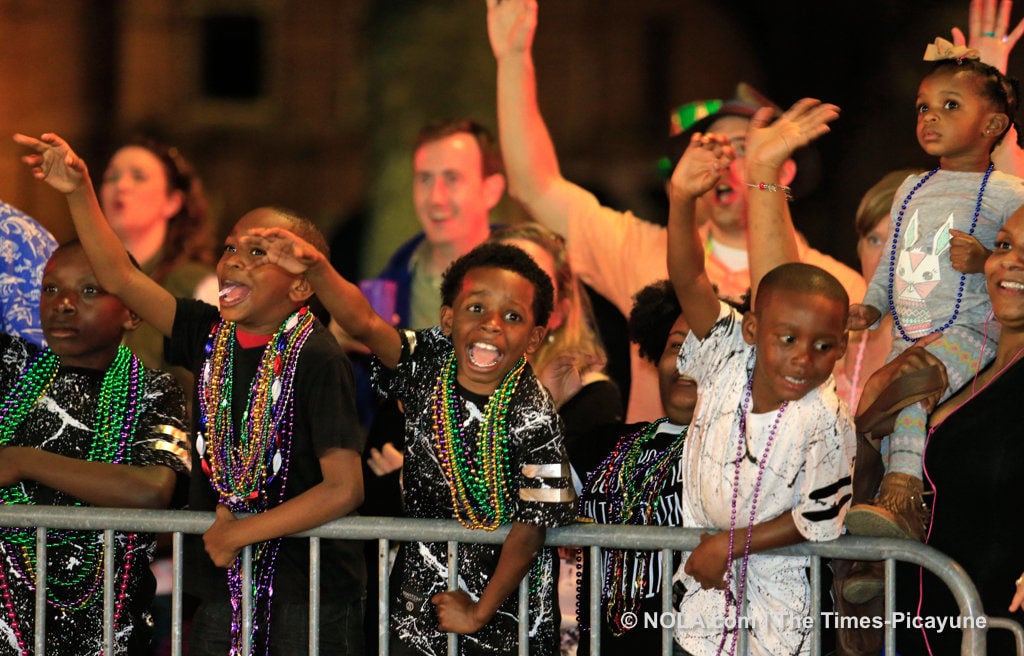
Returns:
(386, 530)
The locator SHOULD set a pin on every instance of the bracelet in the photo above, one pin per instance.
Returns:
(768, 186)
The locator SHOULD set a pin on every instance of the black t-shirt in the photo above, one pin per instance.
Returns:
(602, 492)
(324, 417)
(62, 422)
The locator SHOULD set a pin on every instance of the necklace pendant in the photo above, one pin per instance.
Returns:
(277, 365)
(200, 444)
(275, 389)
(275, 463)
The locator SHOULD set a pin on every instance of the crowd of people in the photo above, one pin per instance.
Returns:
(775, 395)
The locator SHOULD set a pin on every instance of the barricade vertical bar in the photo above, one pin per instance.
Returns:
(177, 581)
(109, 575)
(40, 629)
(666, 602)
(524, 616)
(247, 600)
(453, 584)
(314, 596)
(383, 596)
(890, 605)
(594, 604)
(815, 606)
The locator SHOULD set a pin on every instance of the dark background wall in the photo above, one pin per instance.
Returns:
(313, 104)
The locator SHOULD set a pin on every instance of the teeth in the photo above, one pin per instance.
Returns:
(489, 355)
(1007, 284)
(796, 381)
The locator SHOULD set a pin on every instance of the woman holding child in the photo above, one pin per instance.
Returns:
(976, 490)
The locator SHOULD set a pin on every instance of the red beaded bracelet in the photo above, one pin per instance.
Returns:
(768, 186)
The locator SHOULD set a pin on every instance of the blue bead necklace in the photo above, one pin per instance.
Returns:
(895, 242)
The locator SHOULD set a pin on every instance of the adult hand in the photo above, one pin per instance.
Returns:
(966, 253)
(988, 32)
(562, 377)
(53, 161)
(511, 25)
(385, 460)
(456, 612)
(707, 563)
(771, 143)
(913, 359)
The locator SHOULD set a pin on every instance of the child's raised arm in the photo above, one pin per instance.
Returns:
(346, 303)
(771, 237)
(54, 162)
(698, 171)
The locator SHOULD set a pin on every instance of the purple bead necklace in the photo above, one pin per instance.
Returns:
(763, 461)
(895, 241)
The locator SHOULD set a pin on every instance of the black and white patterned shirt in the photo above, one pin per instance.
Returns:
(541, 494)
(62, 422)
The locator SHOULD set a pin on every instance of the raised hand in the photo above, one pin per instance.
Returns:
(701, 165)
(281, 247)
(988, 32)
(511, 25)
(771, 143)
(53, 161)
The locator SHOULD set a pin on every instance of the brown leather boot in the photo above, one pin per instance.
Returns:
(898, 511)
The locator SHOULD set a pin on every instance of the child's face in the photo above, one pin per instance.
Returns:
(678, 393)
(491, 325)
(954, 121)
(259, 298)
(799, 337)
(82, 323)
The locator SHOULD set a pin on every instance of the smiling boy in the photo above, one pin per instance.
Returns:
(483, 443)
(769, 457)
(276, 436)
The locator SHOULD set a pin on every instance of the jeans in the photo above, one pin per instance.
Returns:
(341, 629)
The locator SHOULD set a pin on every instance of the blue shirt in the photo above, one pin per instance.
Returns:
(25, 247)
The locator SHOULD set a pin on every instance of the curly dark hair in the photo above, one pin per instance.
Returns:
(509, 258)
(655, 309)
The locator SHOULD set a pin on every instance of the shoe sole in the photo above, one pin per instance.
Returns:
(862, 590)
(869, 523)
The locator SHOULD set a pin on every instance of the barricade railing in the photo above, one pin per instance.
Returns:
(388, 530)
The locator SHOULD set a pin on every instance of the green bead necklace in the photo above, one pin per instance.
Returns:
(479, 484)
